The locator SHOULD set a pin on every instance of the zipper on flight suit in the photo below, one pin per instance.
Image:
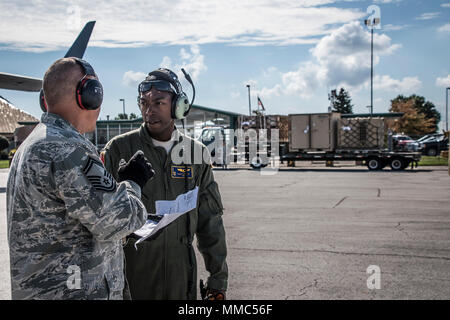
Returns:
(166, 185)
(165, 180)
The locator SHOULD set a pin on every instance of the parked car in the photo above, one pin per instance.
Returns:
(434, 145)
(208, 136)
(405, 143)
(428, 136)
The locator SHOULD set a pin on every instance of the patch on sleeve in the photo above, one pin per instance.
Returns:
(98, 176)
(181, 171)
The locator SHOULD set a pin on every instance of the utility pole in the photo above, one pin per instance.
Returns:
(446, 108)
(371, 24)
(371, 74)
(249, 101)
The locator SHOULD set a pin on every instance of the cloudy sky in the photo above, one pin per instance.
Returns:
(291, 52)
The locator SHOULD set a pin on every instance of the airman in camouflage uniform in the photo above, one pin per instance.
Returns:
(66, 216)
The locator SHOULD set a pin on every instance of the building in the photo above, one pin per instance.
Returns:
(10, 119)
(210, 116)
(198, 117)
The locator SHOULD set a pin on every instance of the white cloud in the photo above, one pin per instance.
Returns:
(445, 28)
(338, 59)
(193, 62)
(184, 54)
(42, 25)
(264, 92)
(268, 92)
(428, 16)
(133, 78)
(166, 62)
(445, 5)
(406, 85)
(304, 80)
(443, 82)
(386, 1)
(343, 55)
(270, 72)
(392, 27)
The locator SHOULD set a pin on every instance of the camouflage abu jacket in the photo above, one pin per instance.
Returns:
(66, 217)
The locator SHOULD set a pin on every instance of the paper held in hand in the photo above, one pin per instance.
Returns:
(167, 212)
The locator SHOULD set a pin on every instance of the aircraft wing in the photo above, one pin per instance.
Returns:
(22, 83)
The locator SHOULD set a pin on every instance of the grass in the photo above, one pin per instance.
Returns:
(433, 161)
(4, 164)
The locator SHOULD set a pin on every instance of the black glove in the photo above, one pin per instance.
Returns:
(137, 169)
(213, 294)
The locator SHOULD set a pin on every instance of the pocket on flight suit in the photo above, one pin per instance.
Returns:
(214, 199)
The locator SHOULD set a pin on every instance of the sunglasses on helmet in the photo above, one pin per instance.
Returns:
(160, 85)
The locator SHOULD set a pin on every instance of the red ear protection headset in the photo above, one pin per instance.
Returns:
(88, 93)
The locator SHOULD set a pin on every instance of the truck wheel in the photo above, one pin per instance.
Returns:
(256, 163)
(432, 152)
(374, 163)
(397, 164)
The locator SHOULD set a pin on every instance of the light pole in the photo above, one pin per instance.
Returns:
(446, 108)
(123, 102)
(249, 101)
(371, 23)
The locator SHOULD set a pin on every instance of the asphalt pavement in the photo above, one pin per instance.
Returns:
(313, 232)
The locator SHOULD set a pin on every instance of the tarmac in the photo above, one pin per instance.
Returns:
(315, 232)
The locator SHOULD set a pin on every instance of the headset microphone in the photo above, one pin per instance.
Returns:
(188, 78)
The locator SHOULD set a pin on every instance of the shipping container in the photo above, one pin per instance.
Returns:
(313, 132)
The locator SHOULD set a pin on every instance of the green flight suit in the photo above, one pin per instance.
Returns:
(164, 266)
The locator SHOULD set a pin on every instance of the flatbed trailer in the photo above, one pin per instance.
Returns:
(375, 159)
(322, 137)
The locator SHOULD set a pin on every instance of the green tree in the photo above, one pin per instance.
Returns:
(343, 102)
(133, 116)
(121, 116)
(4, 143)
(427, 108)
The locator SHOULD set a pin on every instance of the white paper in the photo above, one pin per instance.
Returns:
(170, 211)
(183, 203)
